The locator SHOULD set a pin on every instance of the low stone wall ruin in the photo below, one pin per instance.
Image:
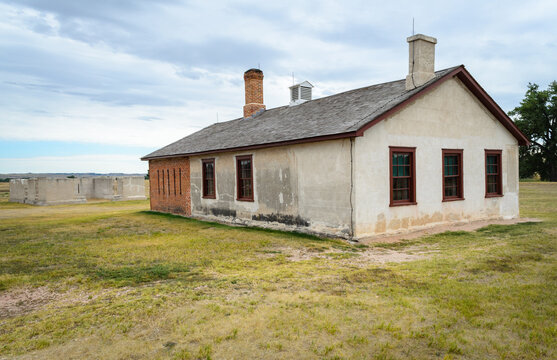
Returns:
(55, 191)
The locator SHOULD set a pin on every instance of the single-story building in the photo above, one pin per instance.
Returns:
(430, 149)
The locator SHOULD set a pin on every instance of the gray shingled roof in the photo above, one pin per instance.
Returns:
(336, 114)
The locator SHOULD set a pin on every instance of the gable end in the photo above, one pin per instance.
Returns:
(472, 85)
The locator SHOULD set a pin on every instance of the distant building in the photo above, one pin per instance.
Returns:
(430, 149)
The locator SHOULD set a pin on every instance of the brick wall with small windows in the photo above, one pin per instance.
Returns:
(169, 181)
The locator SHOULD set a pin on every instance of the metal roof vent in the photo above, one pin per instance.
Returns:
(300, 93)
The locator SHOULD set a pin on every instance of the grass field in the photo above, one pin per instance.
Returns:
(115, 281)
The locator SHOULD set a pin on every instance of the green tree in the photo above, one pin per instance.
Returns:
(537, 118)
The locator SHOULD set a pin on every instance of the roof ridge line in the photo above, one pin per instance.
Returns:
(369, 86)
(325, 97)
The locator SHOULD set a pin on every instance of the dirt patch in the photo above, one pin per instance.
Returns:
(20, 301)
(465, 226)
(297, 254)
(25, 300)
(359, 258)
(383, 256)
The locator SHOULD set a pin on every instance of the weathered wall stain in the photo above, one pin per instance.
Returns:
(281, 218)
(295, 186)
(223, 212)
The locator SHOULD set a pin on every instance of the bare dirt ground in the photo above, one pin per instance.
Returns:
(360, 258)
(467, 226)
(21, 301)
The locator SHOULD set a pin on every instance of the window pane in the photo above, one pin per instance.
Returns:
(492, 188)
(245, 188)
(397, 195)
(395, 159)
(492, 169)
(401, 164)
(450, 165)
(401, 183)
(451, 187)
(401, 195)
(492, 184)
(245, 169)
(209, 187)
(403, 159)
(492, 159)
(209, 170)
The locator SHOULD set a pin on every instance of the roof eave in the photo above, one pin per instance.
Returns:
(258, 146)
(492, 106)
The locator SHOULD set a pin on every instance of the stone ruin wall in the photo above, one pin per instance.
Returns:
(55, 191)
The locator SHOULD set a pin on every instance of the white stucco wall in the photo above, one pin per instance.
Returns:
(448, 117)
(293, 185)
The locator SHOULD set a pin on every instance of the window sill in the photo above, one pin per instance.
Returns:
(209, 197)
(243, 199)
(452, 199)
(493, 195)
(403, 203)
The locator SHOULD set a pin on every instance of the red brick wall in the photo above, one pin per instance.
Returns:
(253, 79)
(172, 195)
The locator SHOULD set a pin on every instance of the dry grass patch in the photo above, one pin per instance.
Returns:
(114, 281)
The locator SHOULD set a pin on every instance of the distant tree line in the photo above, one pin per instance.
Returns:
(536, 117)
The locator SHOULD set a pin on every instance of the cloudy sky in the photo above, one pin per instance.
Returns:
(91, 86)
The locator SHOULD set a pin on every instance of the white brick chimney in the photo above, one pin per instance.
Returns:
(421, 65)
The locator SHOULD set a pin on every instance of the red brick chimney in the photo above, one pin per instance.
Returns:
(253, 79)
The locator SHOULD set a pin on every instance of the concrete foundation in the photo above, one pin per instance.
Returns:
(55, 191)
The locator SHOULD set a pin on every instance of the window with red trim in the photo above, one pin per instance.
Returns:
(208, 170)
(452, 175)
(244, 178)
(493, 172)
(402, 164)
